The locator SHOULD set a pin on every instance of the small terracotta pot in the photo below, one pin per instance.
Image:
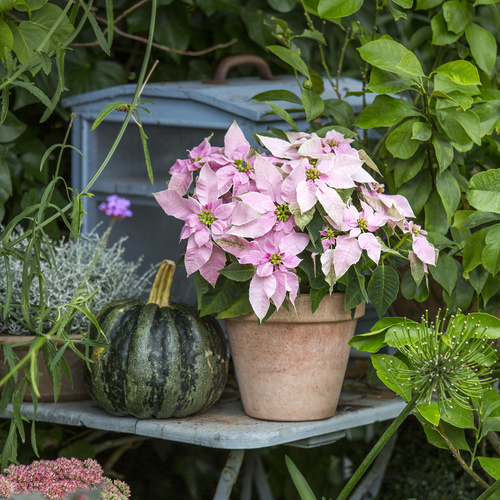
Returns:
(76, 366)
(291, 367)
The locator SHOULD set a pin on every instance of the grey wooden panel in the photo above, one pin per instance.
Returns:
(225, 425)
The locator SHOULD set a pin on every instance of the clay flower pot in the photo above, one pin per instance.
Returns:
(291, 367)
(68, 393)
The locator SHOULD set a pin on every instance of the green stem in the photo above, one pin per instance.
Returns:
(162, 286)
(377, 448)
(492, 489)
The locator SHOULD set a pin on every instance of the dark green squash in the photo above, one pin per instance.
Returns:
(163, 360)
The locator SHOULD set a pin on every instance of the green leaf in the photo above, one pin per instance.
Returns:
(411, 65)
(278, 95)
(338, 8)
(467, 121)
(463, 293)
(417, 190)
(460, 72)
(427, 4)
(240, 307)
(456, 415)
(491, 465)
(238, 272)
(436, 218)
(443, 150)
(6, 5)
(421, 131)
(400, 143)
(384, 82)
(483, 46)
(406, 4)
(491, 252)
(411, 290)
(445, 272)
(314, 35)
(383, 288)
(430, 411)
(175, 29)
(282, 5)
(405, 170)
(449, 191)
(457, 15)
(28, 35)
(473, 250)
(219, 298)
(33, 89)
(299, 480)
(389, 370)
(313, 104)
(6, 36)
(145, 150)
(282, 113)
(341, 110)
(441, 35)
(112, 106)
(11, 129)
(368, 342)
(385, 111)
(291, 58)
(484, 191)
(384, 54)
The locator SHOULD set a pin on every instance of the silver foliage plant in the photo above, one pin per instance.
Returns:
(112, 278)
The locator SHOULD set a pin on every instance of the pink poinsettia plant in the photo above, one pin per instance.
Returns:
(305, 217)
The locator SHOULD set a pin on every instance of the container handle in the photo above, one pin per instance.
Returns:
(230, 62)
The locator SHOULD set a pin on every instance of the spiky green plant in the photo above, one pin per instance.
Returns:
(446, 360)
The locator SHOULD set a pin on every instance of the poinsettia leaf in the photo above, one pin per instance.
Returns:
(238, 272)
(383, 288)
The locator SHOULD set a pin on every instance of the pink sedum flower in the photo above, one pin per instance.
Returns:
(55, 479)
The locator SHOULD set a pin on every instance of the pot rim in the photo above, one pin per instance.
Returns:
(18, 339)
(302, 303)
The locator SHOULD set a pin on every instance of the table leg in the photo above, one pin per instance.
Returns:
(229, 475)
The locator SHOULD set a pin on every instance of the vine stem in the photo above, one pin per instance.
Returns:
(377, 448)
(492, 489)
(461, 461)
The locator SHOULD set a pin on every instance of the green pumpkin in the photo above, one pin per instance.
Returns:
(163, 360)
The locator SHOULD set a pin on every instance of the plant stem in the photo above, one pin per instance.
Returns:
(461, 461)
(162, 286)
(377, 448)
(492, 489)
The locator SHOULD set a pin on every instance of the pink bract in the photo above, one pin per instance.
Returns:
(308, 195)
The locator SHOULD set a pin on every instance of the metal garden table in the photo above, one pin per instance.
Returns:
(225, 426)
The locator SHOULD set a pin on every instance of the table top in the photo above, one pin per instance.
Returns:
(226, 426)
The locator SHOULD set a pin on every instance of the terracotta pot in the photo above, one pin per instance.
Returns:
(68, 393)
(291, 368)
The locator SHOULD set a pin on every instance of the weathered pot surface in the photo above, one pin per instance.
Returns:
(291, 367)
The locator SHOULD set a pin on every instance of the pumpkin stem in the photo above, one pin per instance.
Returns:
(162, 286)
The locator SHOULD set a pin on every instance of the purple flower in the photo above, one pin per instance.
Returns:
(116, 207)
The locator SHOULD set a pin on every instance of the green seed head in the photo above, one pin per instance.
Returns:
(206, 217)
(242, 165)
(283, 212)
